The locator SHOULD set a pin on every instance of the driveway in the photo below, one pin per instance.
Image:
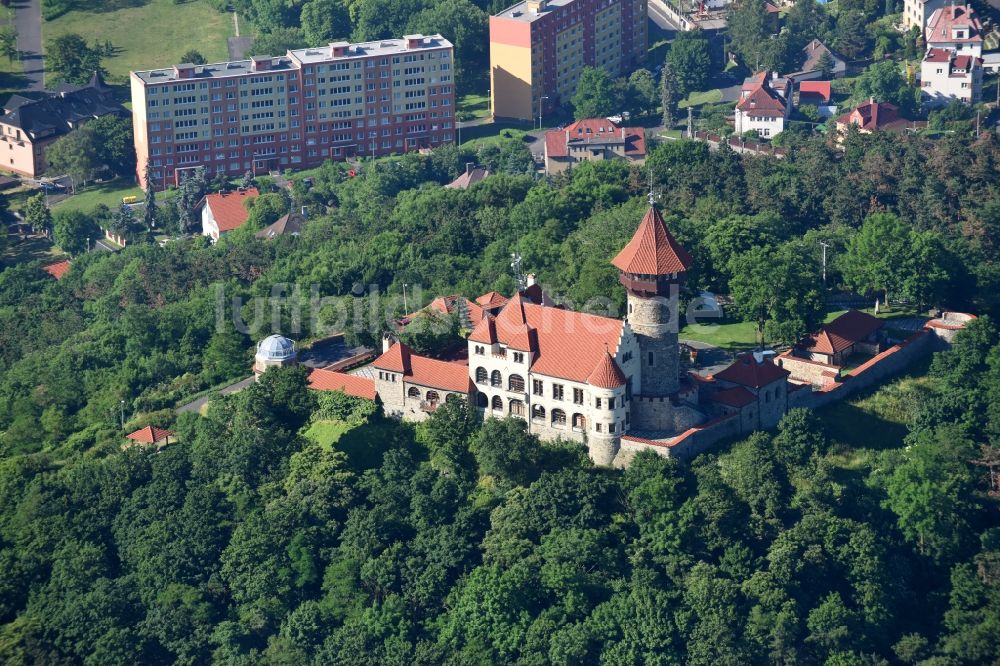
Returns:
(28, 21)
(196, 405)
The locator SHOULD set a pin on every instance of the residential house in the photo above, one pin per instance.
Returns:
(593, 139)
(872, 116)
(956, 28)
(473, 174)
(818, 94)
(150, 435)
(946, 76)
(28, 126)
(764, 105)
(753, 387)
(812, 59)
(289, 224)
(917, 12)
(223, 212)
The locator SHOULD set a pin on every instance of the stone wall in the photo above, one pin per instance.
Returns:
(654, 322)
(685, 446)
(809, 371)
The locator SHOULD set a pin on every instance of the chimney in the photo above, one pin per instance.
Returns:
(339, 49)
(529, 279)
(414, 41)
(260, 63)
(386, 342)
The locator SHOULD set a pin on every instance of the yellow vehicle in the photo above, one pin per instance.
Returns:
(130, 199)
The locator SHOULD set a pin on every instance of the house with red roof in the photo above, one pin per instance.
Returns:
(764, 105)
(852, 332)
(593, 139)
(754, 387)
(955, 28)
(58, 269)
(223, 212)
(946, 75)
(818, 94)
(412, 386)
(872, 116)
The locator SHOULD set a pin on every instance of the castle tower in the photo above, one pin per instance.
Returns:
(651, 268)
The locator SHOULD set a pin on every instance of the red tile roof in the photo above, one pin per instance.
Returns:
(229, 208)
(873, 115)
(737, 397)
(652, 250)
(938, 55)
(593, 130)
(330, 380)
(469, 178)
(941, 22)
(150, 435)
(491, 299)
(58, 269)
(607, 374)
(844, 331)
(761, 101)
(428, 372)
(569, 344)
(449, 305)
(746, 371)
(821, 89)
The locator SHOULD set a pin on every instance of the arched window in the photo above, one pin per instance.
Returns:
(516, 408)
(432, 396)
(516, 383)
(497, 403)
(559, 418)
(495, 378)
(413, 392)
(481, 375)
(537, 413)
(579, 422)
(482, 401)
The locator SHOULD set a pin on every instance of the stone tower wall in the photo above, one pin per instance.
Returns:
(654, 322)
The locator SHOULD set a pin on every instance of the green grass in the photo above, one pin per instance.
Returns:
(713, 96)
(878, 419)
(493, 133)
(32, 249)
(673, 133)
(327, 433)
(474, 106)
(738, 335)
(151, 34)
(109, 193)
(11, 72)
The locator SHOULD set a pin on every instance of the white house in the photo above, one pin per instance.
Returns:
(956, 28)
(763, 105)
(946, 75)
(916, 12)
(225, 211)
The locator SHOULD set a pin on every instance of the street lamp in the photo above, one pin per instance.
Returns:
(540, 110)
(824, 245)
(406, 309)
(123, 413)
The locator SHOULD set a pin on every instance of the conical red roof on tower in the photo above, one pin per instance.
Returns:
(652, 250)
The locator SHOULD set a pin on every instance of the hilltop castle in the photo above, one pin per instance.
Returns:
(616, 385)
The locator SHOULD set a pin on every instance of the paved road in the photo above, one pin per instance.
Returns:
(196, 405)
(28, 21)
(658, 15)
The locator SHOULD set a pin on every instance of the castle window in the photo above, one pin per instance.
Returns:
(579, 423)
(650, 361)
(497, 404)
(557, 391)
(536, 387)
(432, 396)
(516, 383)
(481, 375)
(577, 396)
(516, 408)
(597, 403)
(611, 427)
(537, 413)
(558, 418)
(518, 357)
(611, 403)
(480, 350)
(414, 392)
(482, 401)
(495, 378)
(597, 427)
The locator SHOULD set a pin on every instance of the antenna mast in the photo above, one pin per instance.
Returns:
(518, 273)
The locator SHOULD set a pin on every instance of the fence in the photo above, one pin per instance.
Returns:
(741, 145)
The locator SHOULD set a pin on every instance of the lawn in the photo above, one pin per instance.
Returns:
(738, 335)
(30, 249)
(471, 107)
(701, 98)
(878, 419)
(11, 79)
(479, 135)
(109, 193)
(150, 34)
(327, 433)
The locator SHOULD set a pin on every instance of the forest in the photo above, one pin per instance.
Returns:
(460, 542)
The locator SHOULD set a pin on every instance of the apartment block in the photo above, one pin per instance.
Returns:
(339, 101)
(539, 47)
(946, 76)
(917, 12)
